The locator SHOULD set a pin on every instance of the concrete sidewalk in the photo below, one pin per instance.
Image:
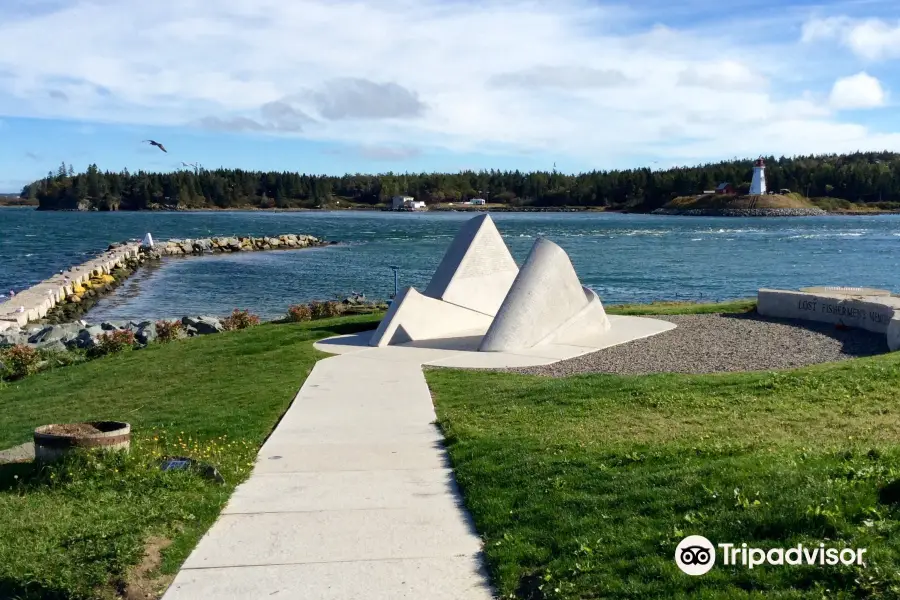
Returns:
(352, 496)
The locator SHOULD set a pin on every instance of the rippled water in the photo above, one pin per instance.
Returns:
(625, 258)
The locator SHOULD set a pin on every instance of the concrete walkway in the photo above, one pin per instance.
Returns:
(352, 496)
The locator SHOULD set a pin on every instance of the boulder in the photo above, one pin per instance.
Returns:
(55, 333)
(146, 333)
(202, 325)
(52, 346)
(114, 325)
(13, 337)
(86, 339)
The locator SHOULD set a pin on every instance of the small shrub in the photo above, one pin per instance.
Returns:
(299, 313)
(18, 361)
(63, 358)
(114, 341)
(166, 331)
(325, 310)
(240, 319)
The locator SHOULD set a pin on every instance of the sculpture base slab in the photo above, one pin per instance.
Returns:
(461, 350)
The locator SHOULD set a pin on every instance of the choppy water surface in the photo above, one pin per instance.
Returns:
(625, 258)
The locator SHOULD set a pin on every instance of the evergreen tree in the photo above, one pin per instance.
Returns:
(859, 177)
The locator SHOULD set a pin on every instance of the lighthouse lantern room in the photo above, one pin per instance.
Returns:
(758, 184)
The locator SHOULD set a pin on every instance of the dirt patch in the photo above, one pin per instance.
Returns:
(79, 429)
(144, 581)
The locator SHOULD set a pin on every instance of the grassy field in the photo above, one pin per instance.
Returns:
(682, 308)
(77, 530)
(582, 487)
(793, 200)
(840, 205)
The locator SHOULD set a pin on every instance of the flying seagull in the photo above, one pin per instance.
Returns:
(158, 145)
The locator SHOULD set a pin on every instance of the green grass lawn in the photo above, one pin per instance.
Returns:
(74, 530)
(682, 308)
(582, 487)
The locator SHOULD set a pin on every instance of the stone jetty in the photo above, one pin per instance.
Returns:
(56, 297)
(237, 244)
(34, 303)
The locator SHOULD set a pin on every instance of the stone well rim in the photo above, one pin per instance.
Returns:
(112, 433)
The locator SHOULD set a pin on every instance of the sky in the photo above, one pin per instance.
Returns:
(347, 86)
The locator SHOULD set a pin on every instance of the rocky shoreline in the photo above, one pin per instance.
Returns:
(741, 212)
(80, 335)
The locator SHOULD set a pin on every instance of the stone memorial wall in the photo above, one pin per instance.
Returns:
(875, 312)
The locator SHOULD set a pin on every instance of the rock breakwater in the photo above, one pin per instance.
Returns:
(741, 212)
(70, 294)
(35, 302)
(237, 244)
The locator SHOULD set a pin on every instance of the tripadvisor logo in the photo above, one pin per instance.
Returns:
(696, 555)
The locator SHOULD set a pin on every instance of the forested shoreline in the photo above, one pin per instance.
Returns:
(863, 179)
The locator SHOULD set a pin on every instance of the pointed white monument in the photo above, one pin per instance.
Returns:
(477, 270)
(758, 184)
(464, 294)
(148, 241)
(545, 305)
(479, 301)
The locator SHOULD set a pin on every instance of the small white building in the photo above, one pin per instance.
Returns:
(477, 201)
(406, 203)
(758, 184)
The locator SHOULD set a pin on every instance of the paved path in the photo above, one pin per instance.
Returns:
(352, 497)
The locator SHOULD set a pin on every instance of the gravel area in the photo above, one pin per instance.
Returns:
(717, 343)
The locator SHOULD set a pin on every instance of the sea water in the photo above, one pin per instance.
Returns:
(624, 258)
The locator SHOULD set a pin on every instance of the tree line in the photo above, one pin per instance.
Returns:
(860, 178)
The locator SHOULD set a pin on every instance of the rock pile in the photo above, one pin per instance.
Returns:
(84, 336)
(237, 244)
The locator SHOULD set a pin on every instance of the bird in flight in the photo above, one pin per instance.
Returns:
(158, 145)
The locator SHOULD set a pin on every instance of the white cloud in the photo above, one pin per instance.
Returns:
(857, 91)
(722, 75)
(513, 76)
(871, 39)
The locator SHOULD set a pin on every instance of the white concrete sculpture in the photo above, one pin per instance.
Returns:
(477, 270)
(478, 301)
(465, 291)
(413, 317)
(546, 304)
(148, 241)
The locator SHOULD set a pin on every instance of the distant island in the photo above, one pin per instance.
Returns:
(17, 200)
(861, 182)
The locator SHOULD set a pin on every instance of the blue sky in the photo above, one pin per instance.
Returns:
(335, 86)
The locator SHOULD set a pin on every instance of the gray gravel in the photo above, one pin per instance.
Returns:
(724, 342)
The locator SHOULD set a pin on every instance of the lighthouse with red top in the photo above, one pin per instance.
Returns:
(758, 184)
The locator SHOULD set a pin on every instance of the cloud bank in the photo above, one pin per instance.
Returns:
(569, 77)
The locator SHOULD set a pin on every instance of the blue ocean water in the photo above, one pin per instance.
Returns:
(625, 258)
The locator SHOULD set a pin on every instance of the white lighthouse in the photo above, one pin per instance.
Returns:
(758, 185)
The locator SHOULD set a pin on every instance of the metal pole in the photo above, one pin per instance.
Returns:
(396, 271)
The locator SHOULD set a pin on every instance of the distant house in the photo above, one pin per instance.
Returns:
(406, 203)
(477, 201)
(724, 188)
